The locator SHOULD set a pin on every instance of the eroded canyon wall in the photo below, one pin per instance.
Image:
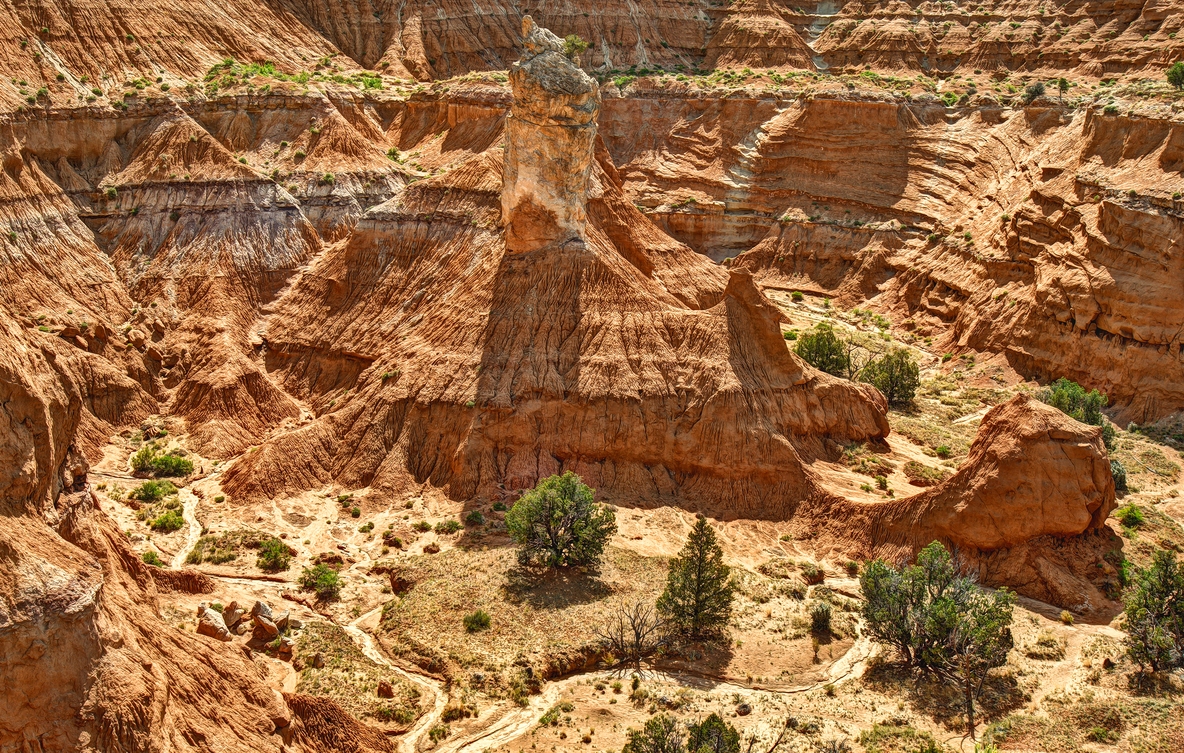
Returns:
(1017, 231)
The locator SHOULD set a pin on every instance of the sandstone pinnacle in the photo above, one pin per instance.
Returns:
(550, 135)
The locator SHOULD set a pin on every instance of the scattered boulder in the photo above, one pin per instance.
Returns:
(743, 709)
(232, 615)
(211, 623)
(385, 689)
(279, 713)
(281, 622)
(318, 660)
(265, 628)
(136, 338)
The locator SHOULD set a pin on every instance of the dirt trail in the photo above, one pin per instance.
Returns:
(192, 527)
(409, 741)
(517, 722)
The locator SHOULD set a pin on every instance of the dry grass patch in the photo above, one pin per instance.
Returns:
(898, 738)
(220, 548)
(547, 620)
(933, 432)
(920, 474)
(1146, 529)
(352, 679)
(1090, 721)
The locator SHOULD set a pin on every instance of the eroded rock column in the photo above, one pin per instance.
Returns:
(549, 143)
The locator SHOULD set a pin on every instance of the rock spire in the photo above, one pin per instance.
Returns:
(550, 135)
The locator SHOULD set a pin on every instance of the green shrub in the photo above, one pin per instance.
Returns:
(499, 506)
(474, 518)
(797, 296)
(713, 734)
(824, 350)
(366, 527)
(422, 526)
(1175, 74)
(476, 621)
(1155, 614)
(322, 579)
(573, 45)
(558, 523)
(943, 451)
(220, 498)
(661, 734)
(147, 460)
(355, 512)
(151, 558)
(820, 614)
(141, 459)
(1130, 516)
(895, 374)
(169, 464)
(1070, 398)
(811, 573)
(1118, 471)
(273, 555)
(1033, 92)
(447, 527)
(152, 491)
(171, 520)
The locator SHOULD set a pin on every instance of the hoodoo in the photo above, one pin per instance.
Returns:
(550, 138)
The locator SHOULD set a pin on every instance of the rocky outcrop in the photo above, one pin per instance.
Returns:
(321, 726)
(1032, 471)
(1026, 510)
(442, 39)
(86, 662)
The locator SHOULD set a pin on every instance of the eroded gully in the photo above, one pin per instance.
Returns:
(502, 723)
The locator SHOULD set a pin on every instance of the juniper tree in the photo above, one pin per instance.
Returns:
(1155, 614)
(699, 589)
(558, 523)
(896, 375)
(939, 621)
(824, 350)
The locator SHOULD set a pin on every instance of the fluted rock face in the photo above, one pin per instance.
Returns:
(550, 139)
